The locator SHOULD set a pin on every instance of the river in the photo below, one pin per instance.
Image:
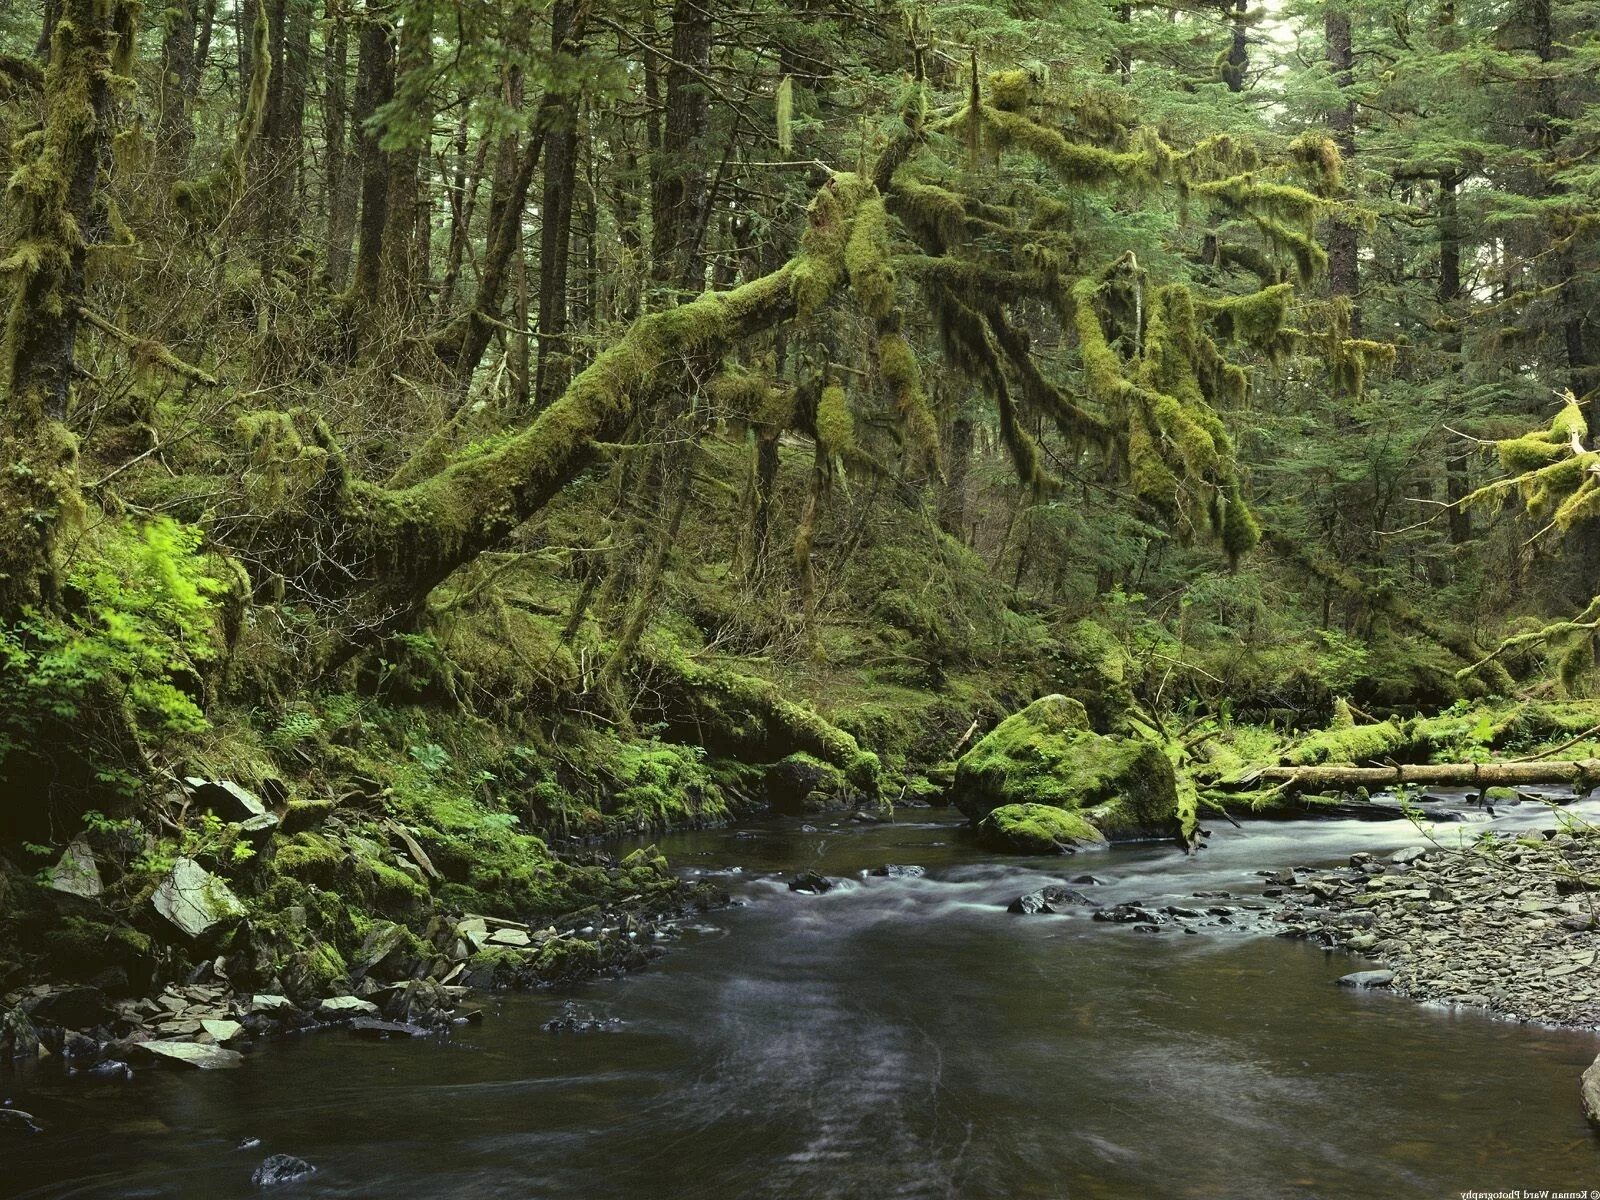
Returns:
(894, 1038)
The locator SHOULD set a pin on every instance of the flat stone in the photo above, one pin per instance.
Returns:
(195, 900)
(222, 1031)
(1409, 855)
(370, 1027)
(226, 798)
(193, 1054)
(1367, 979)
(509, 937)
(75, 873)
(270, 1004)
(337, 1008)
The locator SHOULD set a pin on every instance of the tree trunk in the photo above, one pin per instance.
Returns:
(400, 257)
(174, 125)
(343, 172)
(679, 205)
(374, 88)
(1457, 484)
(555, 230)
(1344, 272)
(58, 210)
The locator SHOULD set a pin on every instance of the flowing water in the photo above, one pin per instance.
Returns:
(893, 1038)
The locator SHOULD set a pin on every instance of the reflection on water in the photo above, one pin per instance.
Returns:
(893, 1038)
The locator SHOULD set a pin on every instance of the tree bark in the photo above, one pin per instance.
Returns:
(174, 126)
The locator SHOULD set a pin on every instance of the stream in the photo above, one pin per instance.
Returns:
(895, 1037)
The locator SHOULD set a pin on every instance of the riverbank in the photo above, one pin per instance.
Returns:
(1506, 922)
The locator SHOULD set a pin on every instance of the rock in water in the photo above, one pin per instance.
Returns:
(195, 900)
(1367, 979)
(281, 1168)
(1036, 829)
(1047, 756)
(1027, 905)
(810, 883)
(1590, 1093)
(193, 1054)
(899, 871)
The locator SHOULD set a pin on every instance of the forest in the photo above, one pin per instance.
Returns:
(457, 456)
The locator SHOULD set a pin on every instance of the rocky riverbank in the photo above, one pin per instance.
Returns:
(396, 985)
(1510, 924)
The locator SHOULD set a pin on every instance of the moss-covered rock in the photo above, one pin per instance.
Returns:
(1047, 755)
(1036, 829)
(803, 783)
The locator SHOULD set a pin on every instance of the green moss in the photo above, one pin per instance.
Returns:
(1046, 754)
(1036, 829)
(1348, 744)
(835, 426)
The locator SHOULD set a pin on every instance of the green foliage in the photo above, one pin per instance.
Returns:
(128, 652)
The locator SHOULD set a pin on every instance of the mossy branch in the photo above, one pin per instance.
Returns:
(147, 351)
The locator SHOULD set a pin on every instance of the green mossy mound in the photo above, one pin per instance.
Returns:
(1047, 755)
(1036, 829)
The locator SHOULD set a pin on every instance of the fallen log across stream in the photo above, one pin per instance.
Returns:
(1582, 774)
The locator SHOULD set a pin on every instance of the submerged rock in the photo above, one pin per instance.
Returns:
(574, 1019)
(898, 871)
(280, 1169)
(1046, 756)
(1367, 979)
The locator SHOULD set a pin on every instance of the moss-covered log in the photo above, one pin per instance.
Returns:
(1581, 773)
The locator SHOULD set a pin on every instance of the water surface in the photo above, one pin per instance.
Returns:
(893, 1038)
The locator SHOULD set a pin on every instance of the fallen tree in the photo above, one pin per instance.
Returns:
(1581, 773)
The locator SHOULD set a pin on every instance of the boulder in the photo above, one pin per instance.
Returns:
(1046, 755)
(1036, 829)
(1589, 1093)
(192, 1054)
(811, 883)
(280, 1169)
(804, 783)
(371, 1027)
(226, 798)
(72, 1007)
(1052, 899)
(380, 944)
(195, 900)
(75, 873)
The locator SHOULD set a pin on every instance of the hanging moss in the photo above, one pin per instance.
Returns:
(1317, 155)
(836, 429)
(866, 259)
(1255, 320)
(1011, 91)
